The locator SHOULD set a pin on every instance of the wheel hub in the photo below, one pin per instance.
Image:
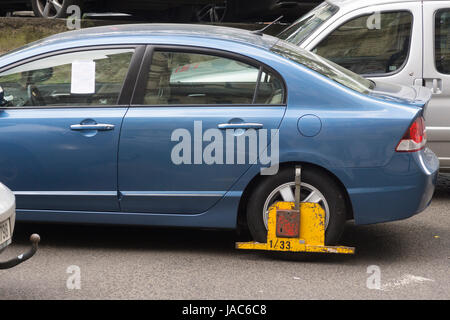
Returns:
(212, 13)
(285, 193)
(50, 8)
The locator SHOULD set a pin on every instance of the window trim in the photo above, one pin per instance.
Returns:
(124, 97)
(258, 82)
(386, 74)
(141, 83)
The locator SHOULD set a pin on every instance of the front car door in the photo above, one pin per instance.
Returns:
(376, 42)
(437, 77)
(179, 149)
(59, 129)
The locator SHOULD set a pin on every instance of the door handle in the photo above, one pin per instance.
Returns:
(435, 85)
(436, 89)
(98, 127)
(224, 126)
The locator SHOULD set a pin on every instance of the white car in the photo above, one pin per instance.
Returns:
(7, 220)
(7, 216)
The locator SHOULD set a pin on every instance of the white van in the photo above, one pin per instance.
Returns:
(396, 41)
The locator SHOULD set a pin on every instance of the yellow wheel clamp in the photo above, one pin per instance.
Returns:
(296, 227)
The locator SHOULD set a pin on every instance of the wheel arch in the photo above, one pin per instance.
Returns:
(241, 215)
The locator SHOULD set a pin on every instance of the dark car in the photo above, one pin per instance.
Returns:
(168, 10)
(10, 5)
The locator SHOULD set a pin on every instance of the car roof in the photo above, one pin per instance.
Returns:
(353, 4)
(194, 30)
(141, 33)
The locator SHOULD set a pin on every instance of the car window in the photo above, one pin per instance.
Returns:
(323, 66)
(270, 89)
(185, 78)
(370, 44)
(84, 78)
(442, 34)
(307, 24)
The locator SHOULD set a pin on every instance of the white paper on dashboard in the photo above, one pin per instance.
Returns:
(83, 77)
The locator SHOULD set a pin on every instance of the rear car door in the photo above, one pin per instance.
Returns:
(60, 127)
(183, 95)
(437, 77)
(378, 42)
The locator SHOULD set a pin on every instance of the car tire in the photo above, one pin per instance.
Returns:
(40, 11)
(314, 180)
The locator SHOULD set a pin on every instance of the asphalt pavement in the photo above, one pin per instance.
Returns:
(406, 259)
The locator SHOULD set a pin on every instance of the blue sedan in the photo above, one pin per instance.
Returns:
(202, 126)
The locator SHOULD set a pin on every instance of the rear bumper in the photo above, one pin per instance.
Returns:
(397, 191)
(11, 215)
(7, 211)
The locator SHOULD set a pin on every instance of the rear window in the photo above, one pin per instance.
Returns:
(303, 27)
(324, 67)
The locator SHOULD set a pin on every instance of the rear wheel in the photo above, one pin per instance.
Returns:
(316, 187)
(52, 9)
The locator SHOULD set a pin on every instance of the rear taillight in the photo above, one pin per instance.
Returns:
(415, 137)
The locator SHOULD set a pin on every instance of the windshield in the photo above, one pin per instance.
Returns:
(300, 29)
(323, 66)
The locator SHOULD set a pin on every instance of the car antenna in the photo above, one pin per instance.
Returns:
(261, 31)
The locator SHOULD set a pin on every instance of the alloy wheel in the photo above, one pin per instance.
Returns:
(285, 192)
(212, 12)
(50, 8)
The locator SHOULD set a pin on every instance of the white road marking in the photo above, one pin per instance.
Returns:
(405, 280)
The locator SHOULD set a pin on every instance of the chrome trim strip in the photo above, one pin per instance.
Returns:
(125, 193)
(172, 194)
(65, 193)
(240, 126)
